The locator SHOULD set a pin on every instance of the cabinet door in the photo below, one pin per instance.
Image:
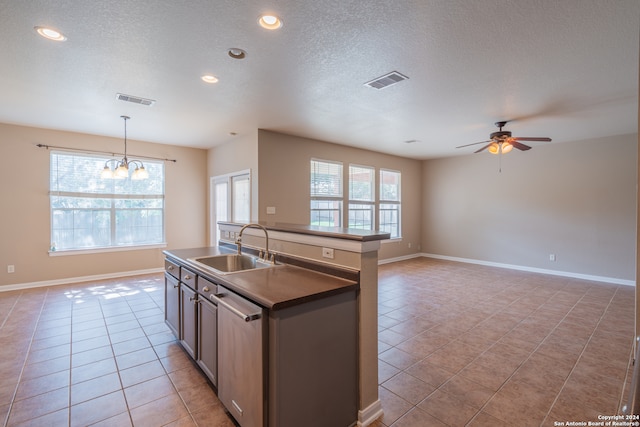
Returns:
(208, 339)
(188, 304)
(172, 304)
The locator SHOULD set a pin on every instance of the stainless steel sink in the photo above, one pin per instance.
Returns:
(231, 263)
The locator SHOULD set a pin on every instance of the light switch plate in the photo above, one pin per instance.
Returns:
(271, 210)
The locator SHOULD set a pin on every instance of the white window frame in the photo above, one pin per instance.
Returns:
(336, 199)
(358, 204)
(397, 202)
(228, 179)
(56, 250)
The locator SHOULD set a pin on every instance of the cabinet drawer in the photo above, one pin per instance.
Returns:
(188, 278)
(206, 287)
(172, 268)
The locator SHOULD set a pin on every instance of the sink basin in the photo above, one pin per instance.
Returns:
(230, 263)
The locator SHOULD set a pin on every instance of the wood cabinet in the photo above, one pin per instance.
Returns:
(191, 316)
(207, 354)
(172, 303)
(188, 308)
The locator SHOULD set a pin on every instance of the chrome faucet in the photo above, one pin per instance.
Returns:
(266, 240)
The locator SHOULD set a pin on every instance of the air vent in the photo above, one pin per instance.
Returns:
(135, 99)
(386, 80)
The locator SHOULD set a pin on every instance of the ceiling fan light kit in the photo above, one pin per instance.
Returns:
(501, 142)
(500, 147)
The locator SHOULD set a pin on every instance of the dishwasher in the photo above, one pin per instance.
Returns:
(241, 357)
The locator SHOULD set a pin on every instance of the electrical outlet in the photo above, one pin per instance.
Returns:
(11, 268)
(271, 210)
(552, 257)
(327, 253)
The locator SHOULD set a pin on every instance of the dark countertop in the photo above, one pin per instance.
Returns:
(334, 232)
(272, 288)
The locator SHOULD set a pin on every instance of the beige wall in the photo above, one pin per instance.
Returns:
(237, 155)
(25, 217)
(576, 200)
(284, 183)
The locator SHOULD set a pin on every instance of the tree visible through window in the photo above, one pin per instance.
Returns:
(326, 197)
(361, 197)
(390, 202)
(326, 193)
(90, 212)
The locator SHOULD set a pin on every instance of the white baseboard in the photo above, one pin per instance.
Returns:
(604, 279)
(369, 414)
(400, 258)
(70, 280)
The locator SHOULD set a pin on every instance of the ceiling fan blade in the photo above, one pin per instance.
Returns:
(519, 146)
(475, 143)
(524, 138)
(483, 148)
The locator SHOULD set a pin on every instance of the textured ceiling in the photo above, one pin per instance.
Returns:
(566, 69)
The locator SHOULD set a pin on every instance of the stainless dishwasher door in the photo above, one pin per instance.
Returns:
(241, 357)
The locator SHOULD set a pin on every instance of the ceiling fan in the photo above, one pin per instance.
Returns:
(502, 141)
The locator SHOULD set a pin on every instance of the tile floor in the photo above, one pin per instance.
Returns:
(463, 344)
(459, 345)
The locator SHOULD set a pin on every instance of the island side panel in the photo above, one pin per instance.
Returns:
(313, 364)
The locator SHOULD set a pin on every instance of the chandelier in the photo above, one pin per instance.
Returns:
(121, 167)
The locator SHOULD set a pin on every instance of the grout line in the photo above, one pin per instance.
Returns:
(27, 353)
(530, 353)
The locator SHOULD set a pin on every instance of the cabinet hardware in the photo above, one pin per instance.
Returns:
(236, 406)
(187, 277)
(175, 286)
(192, 298)
(170, 268)
(205, 289)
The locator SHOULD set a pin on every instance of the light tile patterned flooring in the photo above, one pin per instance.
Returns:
(463, 344)
(98, 354)
(459, 344)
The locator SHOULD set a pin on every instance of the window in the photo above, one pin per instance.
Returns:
(361, 197)
(326, 193)
(89, 212)
(241, 198)
(231, 198)
(390, 202)
(327, 198)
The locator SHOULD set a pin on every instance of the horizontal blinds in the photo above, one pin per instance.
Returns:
(80, 175)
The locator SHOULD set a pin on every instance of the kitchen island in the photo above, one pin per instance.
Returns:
(290, 357)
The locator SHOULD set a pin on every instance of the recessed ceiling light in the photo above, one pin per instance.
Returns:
(270, 22)
(237, 53)
(208, 78)
(50, 33)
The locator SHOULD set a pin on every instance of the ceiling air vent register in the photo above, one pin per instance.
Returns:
(386, 80)
(135, 99)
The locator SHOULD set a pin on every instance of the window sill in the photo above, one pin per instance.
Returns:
(66, 252)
